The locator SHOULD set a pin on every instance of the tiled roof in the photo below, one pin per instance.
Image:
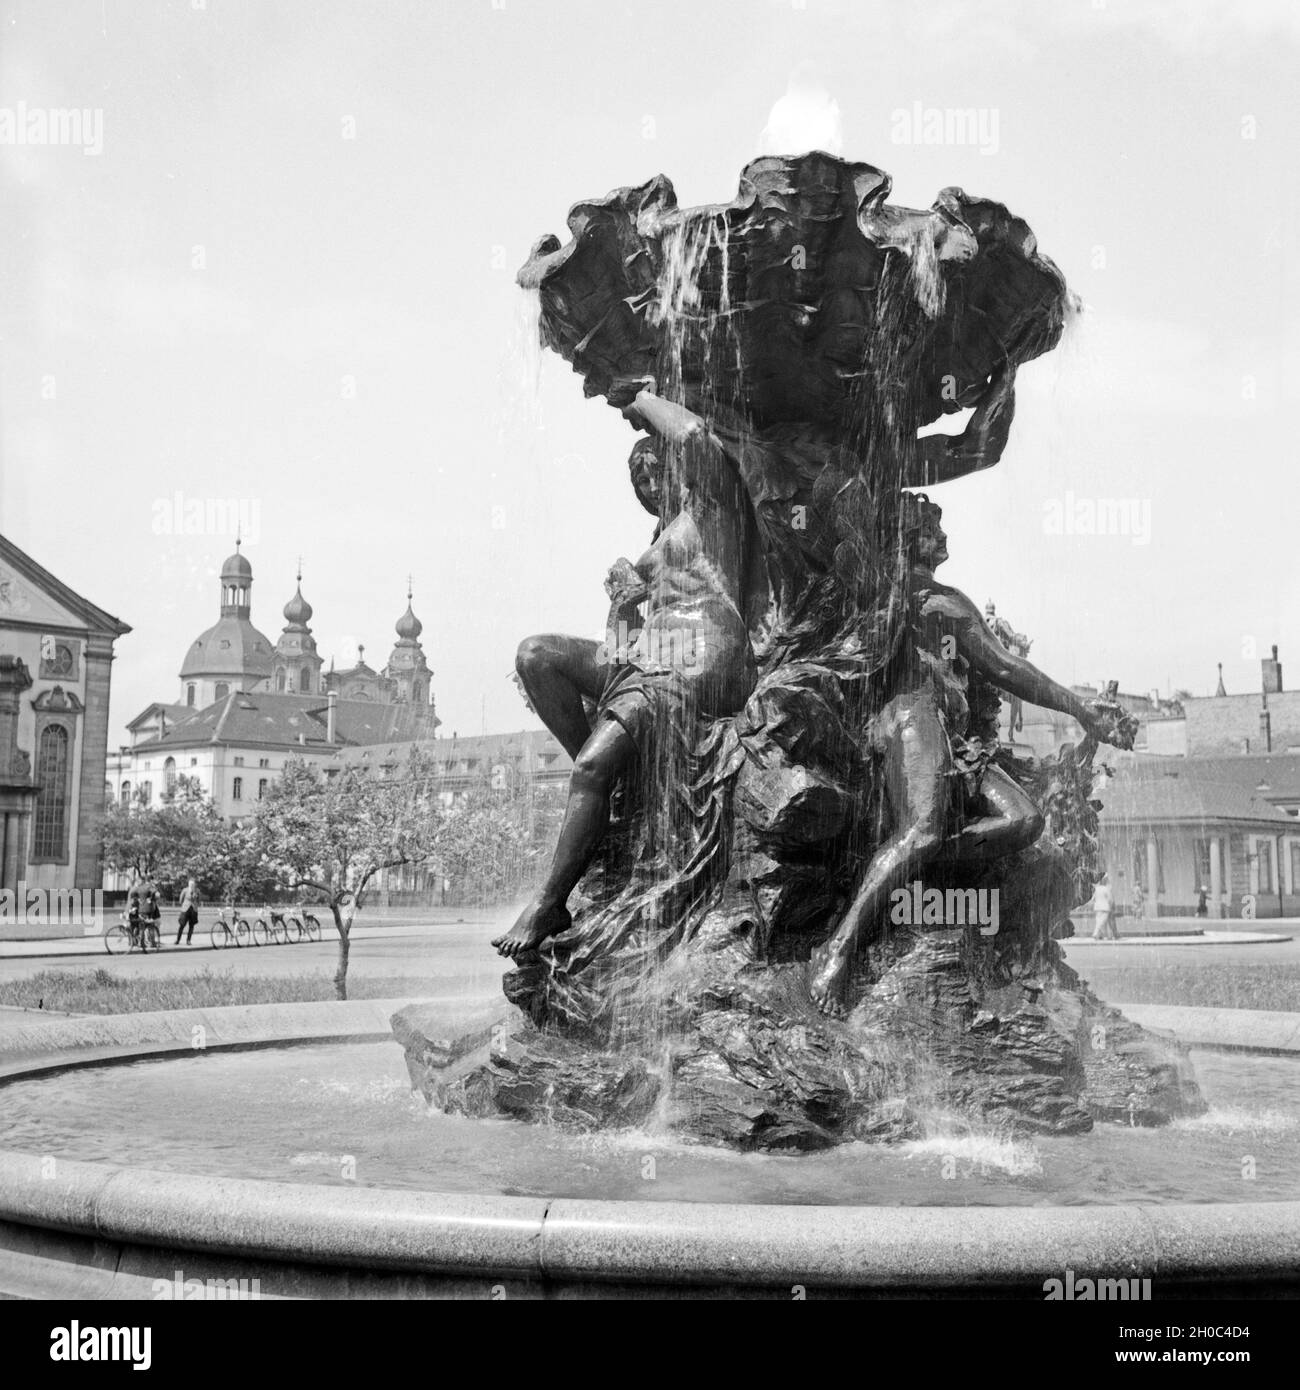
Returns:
(1151, 792)
(251, 719)
(1270, 776)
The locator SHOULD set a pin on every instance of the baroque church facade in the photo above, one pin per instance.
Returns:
(248, 705)
(56, 655)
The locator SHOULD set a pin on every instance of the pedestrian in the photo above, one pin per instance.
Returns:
(1103, 912)
(189, 913)
(134, 906)
(1202, 901)
(150, 912)
(1139, 900)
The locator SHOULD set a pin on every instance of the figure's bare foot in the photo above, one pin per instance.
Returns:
(536, 922)
(828, 972)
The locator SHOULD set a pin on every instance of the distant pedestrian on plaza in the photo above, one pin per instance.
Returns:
(189, 913)
(1202, 901)
(1103, 912)
(1139, 900)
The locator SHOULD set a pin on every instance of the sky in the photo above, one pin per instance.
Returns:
(275, 268)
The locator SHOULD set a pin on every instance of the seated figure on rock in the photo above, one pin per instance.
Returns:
(691, 658)
(930, 748)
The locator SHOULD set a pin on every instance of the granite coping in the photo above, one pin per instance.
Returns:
(641, 1243)
(1254, 1030)
(30, 1044)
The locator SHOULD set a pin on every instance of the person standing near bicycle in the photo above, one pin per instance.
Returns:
(150, 914)
(189, 917)
(134, 907)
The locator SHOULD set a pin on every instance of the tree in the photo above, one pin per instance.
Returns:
(183, 837)
(333, 833)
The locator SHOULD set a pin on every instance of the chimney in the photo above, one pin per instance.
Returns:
(1272, 672)
(329, 717)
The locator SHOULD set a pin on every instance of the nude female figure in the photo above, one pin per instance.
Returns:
(691, 657)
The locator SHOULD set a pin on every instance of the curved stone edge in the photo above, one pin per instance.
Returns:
(1247, 1030)
(110, 1231)
(571, 1243)
(107, 1039)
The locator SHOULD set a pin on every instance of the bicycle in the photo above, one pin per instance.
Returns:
(222, 935)
(310, 927)
(278, 930)
(129, 936)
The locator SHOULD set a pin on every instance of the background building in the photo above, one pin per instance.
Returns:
(56, 655)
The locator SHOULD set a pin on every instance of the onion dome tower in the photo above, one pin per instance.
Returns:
(297, 662)
(408, 669)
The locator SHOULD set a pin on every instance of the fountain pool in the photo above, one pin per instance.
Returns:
(344, 1114)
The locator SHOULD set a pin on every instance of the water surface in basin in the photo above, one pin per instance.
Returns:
(341, 1113)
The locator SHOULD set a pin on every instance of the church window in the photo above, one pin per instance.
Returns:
(280, 679)
(304, 680)
(237, 789)
(169, 776)
(189, 695)
(222, 690)
(51, 839)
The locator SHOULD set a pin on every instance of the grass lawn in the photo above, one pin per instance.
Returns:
(100, 992)
(1229, 986)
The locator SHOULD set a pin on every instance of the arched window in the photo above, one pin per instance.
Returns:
(169, 776)
(189, 695)
(126, 793)
(304, 680)
(280, 678)
(51, 838)
(222, 690)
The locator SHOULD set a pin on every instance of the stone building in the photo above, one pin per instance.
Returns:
(1175, 825)
(247, 704)
(56, 655)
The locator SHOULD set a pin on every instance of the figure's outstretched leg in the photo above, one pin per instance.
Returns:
(916, 778)
(604, 755)
(556, 672)
(1014, 822)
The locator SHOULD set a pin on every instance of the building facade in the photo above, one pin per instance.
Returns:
(56, 656)
(248, 705)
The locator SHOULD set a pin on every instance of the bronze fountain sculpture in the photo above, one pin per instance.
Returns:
(801, 894)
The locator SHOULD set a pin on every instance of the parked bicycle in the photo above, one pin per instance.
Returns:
(235, 932)
(132, 935)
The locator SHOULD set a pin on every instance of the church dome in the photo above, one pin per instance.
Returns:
(409, 627)
(297, 612)
(231, 647)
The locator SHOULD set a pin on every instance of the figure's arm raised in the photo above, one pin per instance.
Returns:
(703, 457)
(942, 457)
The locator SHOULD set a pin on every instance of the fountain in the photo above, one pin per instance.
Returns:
(814, 900)
(790, 1011)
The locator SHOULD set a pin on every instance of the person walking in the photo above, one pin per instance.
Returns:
(189, 913)
(1202, 901)
(1103, 912)
(1139, 901)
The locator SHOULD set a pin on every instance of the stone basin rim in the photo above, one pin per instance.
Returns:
(695, 1243)
(571, 1241)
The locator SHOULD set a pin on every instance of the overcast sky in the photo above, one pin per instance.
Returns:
(286, 278)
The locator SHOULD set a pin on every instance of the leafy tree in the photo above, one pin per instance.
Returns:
(185, 836)
(334, 833)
